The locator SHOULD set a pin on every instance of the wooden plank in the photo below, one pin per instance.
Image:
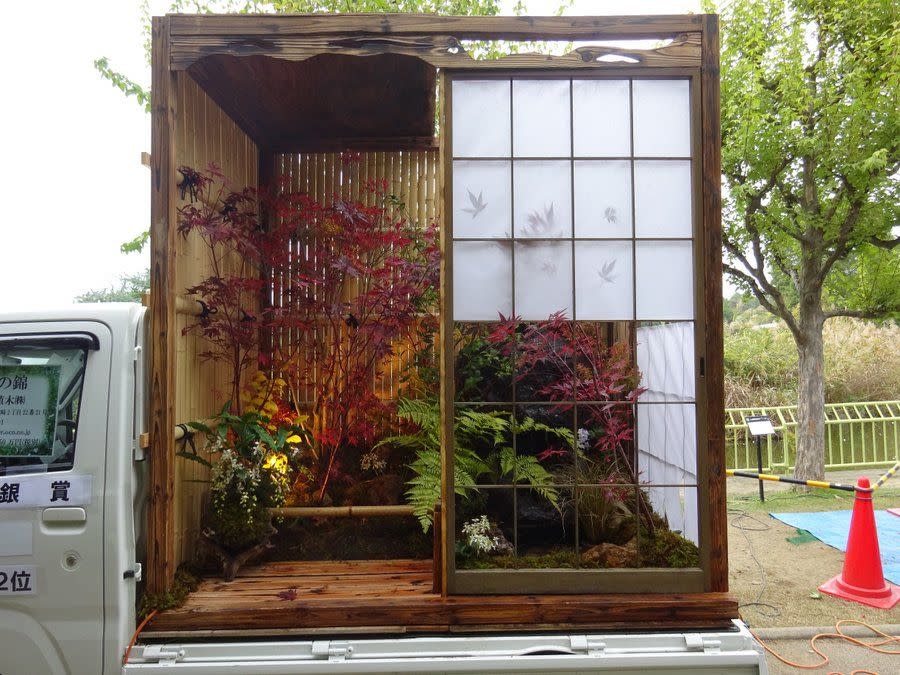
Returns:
(312, 567)
(712, 255)
(445, 351)
(255, 26)
(707, 610)
(342, 511)
(160, 512)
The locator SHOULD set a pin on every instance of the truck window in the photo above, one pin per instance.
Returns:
(40, 399)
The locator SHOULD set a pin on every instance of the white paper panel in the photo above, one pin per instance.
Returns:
(543, 198)
(664, 273)
(543, 279)
(662, 118)
(602, 118)
(481, 118)
(667, 443)
(662, 198)
(482, 199)
(665, 357)
(482, 280)
(541, 118)
(603, 199)
(603, 280)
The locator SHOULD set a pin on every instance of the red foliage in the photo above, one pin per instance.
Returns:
(566, 361)
(351, 282)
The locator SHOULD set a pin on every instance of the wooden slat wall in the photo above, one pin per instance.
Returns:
(412, 176)
(203, 134)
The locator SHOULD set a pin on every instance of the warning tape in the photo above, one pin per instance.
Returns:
(881, 481)
(796, 481)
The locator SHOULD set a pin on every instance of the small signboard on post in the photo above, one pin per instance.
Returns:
(759, 426)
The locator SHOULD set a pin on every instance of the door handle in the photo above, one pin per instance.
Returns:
(64, 514)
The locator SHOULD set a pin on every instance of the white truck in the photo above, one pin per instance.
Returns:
(72, 499)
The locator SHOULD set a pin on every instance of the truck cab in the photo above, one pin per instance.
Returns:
(70, 487)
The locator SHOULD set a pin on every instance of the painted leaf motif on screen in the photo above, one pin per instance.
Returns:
(478, 204)
(606, 272)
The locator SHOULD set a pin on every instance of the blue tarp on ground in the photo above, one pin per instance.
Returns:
(832, 528)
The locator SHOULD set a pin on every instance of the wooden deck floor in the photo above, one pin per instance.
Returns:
(395, 596)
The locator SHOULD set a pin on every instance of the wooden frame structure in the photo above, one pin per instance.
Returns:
(195, 118)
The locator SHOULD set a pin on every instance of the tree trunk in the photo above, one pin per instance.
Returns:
(810, 462)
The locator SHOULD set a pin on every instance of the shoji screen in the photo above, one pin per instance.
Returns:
(574, 294)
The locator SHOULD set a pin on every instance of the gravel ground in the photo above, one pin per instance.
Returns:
(762, 561)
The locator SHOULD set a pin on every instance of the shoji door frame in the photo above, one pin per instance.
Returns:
(709, 399)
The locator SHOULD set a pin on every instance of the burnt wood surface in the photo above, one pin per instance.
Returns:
(255, 26)
(325, 101)
(397, 595)
(161, 402)
(712, 253)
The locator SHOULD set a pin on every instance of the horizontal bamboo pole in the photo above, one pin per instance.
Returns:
(341, 511)
(183, 304)
(179, 432)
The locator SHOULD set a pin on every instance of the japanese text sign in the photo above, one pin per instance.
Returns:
(28, 396)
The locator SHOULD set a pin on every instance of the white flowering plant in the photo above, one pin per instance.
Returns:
(481, 538)
(250, 472)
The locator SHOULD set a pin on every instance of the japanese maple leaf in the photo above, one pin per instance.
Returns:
(478, 204)
(606, 272)
(541, 223)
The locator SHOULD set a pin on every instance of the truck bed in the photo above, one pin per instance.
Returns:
(396, 596)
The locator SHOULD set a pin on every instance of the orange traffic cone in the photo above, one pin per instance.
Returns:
(862, 579)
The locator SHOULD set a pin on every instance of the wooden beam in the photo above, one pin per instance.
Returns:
(255, 26)
(300, 144)
(432, 613)
(439, 51)
(342, 511)
(161, 513)
(712, 257)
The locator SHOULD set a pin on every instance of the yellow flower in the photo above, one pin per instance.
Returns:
(277, 462)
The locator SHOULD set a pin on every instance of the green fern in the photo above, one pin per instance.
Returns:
(478, 434)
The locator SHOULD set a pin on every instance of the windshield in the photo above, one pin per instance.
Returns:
(40, 397)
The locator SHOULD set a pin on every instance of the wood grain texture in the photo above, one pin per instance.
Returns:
(392, 594)
(160, 511)
(464, 27)
(712, 252)
(204, 134)
(328, 98)
(437, 51)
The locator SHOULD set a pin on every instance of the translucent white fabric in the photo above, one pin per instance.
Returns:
(665, 357)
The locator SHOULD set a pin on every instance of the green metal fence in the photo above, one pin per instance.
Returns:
(856, 434)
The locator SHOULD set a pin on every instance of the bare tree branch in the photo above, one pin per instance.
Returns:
(888, 244)
(765, 291)
(841, 244)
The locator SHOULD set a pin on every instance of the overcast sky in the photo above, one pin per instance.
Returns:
(73, 188)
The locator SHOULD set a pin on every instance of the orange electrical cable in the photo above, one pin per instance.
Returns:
(874, 646)
(135, 636)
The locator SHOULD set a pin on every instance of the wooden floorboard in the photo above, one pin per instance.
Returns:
(396, 595)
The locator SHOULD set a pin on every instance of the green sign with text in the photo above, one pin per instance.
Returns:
(28, 396)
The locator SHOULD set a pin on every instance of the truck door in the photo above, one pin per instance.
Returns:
(54, 383)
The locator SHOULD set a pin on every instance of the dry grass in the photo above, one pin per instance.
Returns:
(862, 363)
